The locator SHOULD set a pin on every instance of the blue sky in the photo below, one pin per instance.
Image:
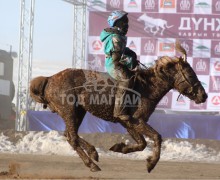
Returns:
(52, 29)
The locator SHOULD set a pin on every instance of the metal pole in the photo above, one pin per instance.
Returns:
(25, 62)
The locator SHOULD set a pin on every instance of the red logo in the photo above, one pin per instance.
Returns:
(97, 45)
(132, 46)
(217, 65)
(216, 100)
(167, 4)
(166, 47)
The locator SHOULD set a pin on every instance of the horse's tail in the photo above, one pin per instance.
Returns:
(168, 26)
(37, 87)
(181, 49)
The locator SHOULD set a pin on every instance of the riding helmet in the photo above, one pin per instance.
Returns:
(114, 16)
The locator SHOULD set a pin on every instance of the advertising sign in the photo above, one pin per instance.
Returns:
(154, 26)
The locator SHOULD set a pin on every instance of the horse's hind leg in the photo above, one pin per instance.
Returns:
(148, 131)
(91, 151)
(72, 125)
(123, 148)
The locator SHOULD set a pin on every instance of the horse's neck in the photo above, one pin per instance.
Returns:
(157, 88)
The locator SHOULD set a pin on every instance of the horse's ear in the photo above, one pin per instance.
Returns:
(179, 48)
(184, 58)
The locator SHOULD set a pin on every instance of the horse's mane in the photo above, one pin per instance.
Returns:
(159, 69)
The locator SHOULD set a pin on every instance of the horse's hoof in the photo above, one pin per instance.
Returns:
(95, 168)
(95, 156)
(149, 168)
(150, 165)
(117, 147)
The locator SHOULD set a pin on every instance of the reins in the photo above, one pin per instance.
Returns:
(186, 80)
(142, 65)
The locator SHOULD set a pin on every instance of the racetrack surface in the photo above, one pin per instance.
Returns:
(27, 166)
(46, 155)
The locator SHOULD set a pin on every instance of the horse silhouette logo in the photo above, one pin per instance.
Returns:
(154, 25)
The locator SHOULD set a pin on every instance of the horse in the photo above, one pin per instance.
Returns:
(154, 23)
(67, 94)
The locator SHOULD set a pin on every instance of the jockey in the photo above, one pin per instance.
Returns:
(120, 61)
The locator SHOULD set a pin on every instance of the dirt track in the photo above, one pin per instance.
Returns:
(65, 167)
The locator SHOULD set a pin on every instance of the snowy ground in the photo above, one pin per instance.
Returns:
(54, 143)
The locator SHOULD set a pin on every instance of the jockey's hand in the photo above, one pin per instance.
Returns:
(136, 65)
(135, 69)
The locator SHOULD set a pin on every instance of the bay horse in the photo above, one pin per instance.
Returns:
(72, 92)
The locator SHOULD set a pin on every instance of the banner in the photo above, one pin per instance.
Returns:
(154, 26)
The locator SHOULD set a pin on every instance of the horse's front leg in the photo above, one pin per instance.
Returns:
(91, 151)
(145, 29)
(123, 148)
(148, 131)
(162, 30)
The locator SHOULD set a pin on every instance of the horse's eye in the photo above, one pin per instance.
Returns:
(188, 91)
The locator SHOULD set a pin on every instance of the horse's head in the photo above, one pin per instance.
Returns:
(142, 18)
(187, 83)
(180, 76)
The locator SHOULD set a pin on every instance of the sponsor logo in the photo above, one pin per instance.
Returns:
(100, 91)
(166, 47)
(201, 66)
(185, 5)
(149, 47)
(97, 45)
(150, 4)
(97, 3)
(181, 100)
(132, 3)
(216, 100)
(132, 46)
(193, 105)
(197, 105)
(185, 46)
(216, 84)
(202, 5)
(217, 6)
(204, 26)
(202, 48)
(217, 66)
(217, 49)
(115, 3)
(153, 25)
(167, 3)
(166, 101)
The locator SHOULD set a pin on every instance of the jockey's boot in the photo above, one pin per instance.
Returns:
(121, 108)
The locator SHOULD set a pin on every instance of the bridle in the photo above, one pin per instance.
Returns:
(192, 87)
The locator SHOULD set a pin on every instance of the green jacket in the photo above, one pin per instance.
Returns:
(114, 43)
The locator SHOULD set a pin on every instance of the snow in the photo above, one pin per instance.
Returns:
(54, 143)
